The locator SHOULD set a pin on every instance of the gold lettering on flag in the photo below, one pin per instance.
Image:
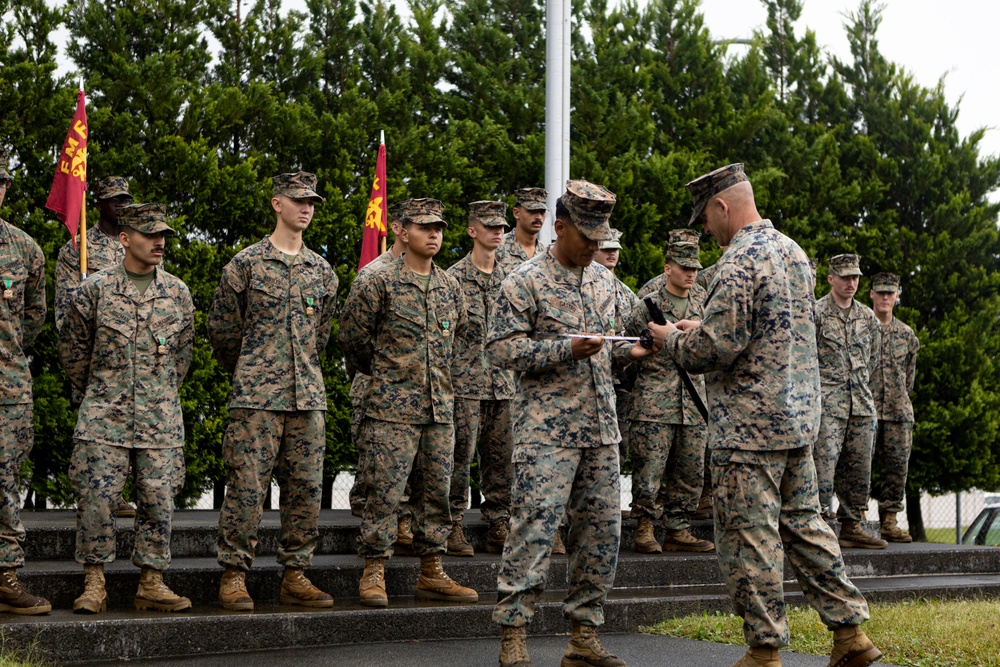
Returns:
(373, 217)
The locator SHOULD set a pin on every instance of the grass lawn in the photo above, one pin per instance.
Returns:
(11, 658)
(942, 535)
(921, 633)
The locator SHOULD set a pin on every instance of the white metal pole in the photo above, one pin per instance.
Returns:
(567, 57)
(554, 74)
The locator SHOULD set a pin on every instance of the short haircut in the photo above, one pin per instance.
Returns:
(562, 213)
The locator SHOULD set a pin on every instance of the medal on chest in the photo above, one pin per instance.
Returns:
(445, 328)
(309, 306)
(162, 349)
(8, 292)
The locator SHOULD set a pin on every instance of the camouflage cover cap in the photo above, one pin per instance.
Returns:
(4, 174)
(532, 199)
(705, 187)
(684, 235)
(423, 211)
(845, 265)
(111, 187)
(145, 218)
(300, 185)
(396, 212)
(488, 213)
(590, 206)
(614, 243)
(885, 282)
(685, 254)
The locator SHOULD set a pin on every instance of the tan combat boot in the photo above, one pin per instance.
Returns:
(14, 598)
(371, 589)
(891, 532)
(760, 656)
(514, 647)
(233, 590)
(558, 547)
(645, 540)
(852, 648)
(94, 599)
(154, 594)
(296, 589)
(457, 544)
(404, 537)
(704, 510)
(682, 540)
(851, 536)
(585, 650)
(434, 584)
(497, 537)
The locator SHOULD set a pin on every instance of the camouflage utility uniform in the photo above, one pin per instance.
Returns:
(565, 426)
(270, 319)
(404, 338)
(22, 313)
(510, 254)
(757, 345)
(103, 251)
(848, 344)
(126, 355)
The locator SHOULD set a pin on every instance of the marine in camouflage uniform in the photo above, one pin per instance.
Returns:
(848, 341)
(126, 344)
(482, 391)
(565, 426)
(668, 432)
(529, 216)
(891, 383)
(757, 346)
(400, 327)
(22, 314)
(655, 284)
(104, 250)
(270, 319)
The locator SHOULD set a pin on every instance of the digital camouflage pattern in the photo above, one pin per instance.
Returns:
(843, 454)
(258, 444)
(103, 252)
(757, 344)
(684, 254)
(482, 399)
(145, 218)
(511, 255)
(893, 442)
(614, 243)
(885, 282)
(98, 472)
(705, 276)
(269, 321)
(550, 483)
(22, 310)
(766, 509)
(405, 339)
(590, 206)
(558, 399)
(533, 199)
(703, 188)
(667, 435)
(126, 355)
(4, 174)
(488, 213)
(421, 454)
(845, 265)
(111, 187)
(18, 432)
(892, 379)
(623, 372)
(848, 346)
(298, 185)
(424, 211)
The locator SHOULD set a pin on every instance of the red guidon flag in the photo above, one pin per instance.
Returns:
(70, 182)
(376, 215)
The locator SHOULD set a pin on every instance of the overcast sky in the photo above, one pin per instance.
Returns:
(929, 38)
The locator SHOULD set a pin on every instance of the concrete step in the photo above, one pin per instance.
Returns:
(52, 534)
(125, 635)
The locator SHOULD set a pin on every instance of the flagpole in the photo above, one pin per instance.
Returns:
(381, 241)
(83, 228)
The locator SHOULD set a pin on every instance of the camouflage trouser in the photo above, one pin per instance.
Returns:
(844, 463)
(623, 405)
(17, 432)
(669, 462)
(422, 454)
(97, 473)
(893, 441)
(486, 423)
(549, 482)
(359, 490)
(257, 443)
(766, 508)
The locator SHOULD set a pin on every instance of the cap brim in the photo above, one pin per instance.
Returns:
(602, 233)
(303, 193)
(848, 272)
(696, 212)
(534, 206)
(611, 246)
(113, 194)
(425, 219)
(687, 263)
(158, 228)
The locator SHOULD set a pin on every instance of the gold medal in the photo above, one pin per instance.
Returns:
(162, 349)
(8, 293)
(309, 306)
(444, 325)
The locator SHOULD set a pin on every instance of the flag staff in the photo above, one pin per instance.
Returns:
(381, 241)
(83, 225)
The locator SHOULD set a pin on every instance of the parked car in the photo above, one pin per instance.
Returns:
(985, 530)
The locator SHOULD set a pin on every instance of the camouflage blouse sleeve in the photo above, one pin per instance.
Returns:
(876, 344)
(185, 341)
(76, 339)
(67, 280)
(329, 309)
(34, 298)
(911, 359)
(508, 343)
(225, 319)
(358, 322)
